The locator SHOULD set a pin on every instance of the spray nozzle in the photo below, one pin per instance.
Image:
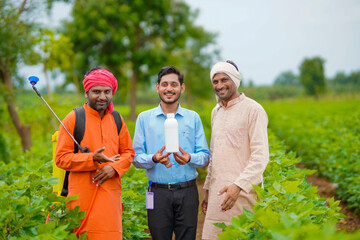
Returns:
(33, 80)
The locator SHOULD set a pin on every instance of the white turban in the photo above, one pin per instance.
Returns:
(228, 69)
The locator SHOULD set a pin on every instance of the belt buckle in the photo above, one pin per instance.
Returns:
(169, 187)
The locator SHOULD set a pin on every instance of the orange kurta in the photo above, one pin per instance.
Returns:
(105, 219)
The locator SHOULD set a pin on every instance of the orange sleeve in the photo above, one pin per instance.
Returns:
(65, 157)
(126, 151)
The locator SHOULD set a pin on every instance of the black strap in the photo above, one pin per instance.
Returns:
(79, 128)
(65, 189)
(79, 131)
(117, 119)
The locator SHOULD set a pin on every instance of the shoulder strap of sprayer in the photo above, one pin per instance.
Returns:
(79, 130)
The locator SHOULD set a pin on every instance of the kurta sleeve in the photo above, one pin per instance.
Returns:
(65, 157)
(201, 155)
(209, 170)
(259, 151)
(126, 151)
(142, 159)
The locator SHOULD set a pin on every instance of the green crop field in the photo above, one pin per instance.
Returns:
(289, 208)
(326, 134)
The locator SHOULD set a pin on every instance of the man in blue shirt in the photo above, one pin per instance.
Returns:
(173, 176)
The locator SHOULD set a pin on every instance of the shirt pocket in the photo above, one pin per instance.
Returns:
(186, 134)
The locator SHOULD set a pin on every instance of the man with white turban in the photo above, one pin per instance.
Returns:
(239, 150)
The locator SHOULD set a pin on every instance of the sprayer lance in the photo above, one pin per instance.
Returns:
(33, 80)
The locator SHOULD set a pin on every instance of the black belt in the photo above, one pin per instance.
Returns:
(174, 185)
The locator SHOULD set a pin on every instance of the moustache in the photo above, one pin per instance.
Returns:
(218, 90)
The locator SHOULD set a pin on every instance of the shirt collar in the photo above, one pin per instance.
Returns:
(159, 111)
(234, 101)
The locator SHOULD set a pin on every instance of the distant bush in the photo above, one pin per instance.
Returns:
(276, 92)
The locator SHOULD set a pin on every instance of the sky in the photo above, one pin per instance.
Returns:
(267, 37)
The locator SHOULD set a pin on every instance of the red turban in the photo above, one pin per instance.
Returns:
(101, 77)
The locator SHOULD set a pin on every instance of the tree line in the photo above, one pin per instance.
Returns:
(132, 38)
(313, 80)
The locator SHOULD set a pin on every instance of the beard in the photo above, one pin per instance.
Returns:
(169, 101)
(97, 107)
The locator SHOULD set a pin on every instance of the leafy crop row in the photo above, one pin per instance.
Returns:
(290, 207)
(26, 180)
(326, 134)
(26, 198)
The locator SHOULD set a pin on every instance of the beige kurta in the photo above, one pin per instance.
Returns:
(239, 154)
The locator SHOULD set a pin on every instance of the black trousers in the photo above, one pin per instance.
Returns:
(174, 211)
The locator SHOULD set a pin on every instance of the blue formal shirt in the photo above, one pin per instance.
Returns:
(149, 137)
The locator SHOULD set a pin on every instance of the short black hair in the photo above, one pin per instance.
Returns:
(95, 68)
(170, 69)
(232, 63)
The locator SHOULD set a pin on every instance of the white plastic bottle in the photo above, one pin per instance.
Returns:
(171, 134)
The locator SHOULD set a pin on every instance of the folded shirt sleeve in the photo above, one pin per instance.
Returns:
(142, 159)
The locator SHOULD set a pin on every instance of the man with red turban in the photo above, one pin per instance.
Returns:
(110, 157)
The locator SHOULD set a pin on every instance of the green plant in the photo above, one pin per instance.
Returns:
(26, 179)
(289, 208)
(26, 198)
(134, 184)
(326, 134)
